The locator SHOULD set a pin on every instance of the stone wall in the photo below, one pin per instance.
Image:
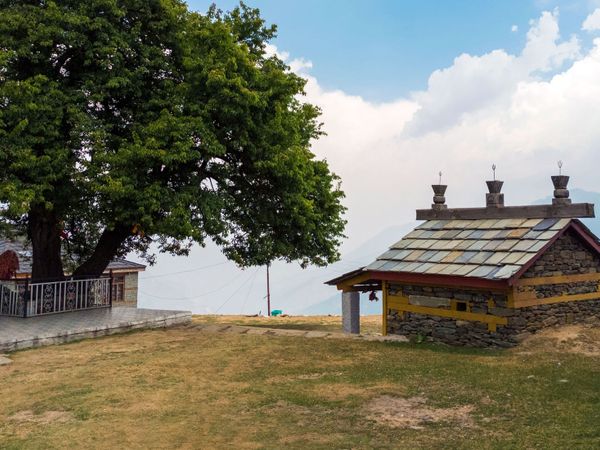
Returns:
(449, 330)
(567, 256)
(521, 323)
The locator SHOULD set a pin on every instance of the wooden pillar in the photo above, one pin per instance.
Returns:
(351, 312)
(384, 301)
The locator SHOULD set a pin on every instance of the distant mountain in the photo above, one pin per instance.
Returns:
(333, 306)
(378, 244)
(361, 256)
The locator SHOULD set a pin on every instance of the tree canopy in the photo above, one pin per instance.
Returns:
(130, 122)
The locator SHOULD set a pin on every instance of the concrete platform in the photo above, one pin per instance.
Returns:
(17, 333)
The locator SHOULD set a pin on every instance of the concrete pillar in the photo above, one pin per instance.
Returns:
(351, 312)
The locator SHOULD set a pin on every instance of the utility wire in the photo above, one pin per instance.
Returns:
(234, 292)
(249, 291)
(183, 271)
(197, 295)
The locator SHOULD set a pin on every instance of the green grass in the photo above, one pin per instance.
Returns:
(184, 388)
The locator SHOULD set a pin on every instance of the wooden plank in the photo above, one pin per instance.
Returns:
(384, 289)
(511, 298)
(524, 303)
(395, 300)
(426, 279)
(509, 212)
(522, 296)
(558, 279)
(347, 285)
(461, 315)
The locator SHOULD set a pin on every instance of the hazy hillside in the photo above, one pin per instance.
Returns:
(364, 254)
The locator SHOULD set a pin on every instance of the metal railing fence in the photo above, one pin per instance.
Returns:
(20, 298)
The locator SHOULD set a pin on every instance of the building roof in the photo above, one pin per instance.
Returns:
(23, 252)
(494, 249)
(476, 253)
(477, 247)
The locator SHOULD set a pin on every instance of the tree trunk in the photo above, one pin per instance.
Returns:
(44, 231)
(105, 251)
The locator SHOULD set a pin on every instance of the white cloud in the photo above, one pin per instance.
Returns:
(592, 22)
(514, 28)
(523, 112)
(298, 65)
(473, 83)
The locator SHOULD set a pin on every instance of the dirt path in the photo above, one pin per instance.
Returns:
(244, 329)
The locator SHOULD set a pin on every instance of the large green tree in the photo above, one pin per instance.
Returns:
(125, 123)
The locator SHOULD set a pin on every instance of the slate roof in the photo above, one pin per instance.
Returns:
(23, 252)
(493, 249)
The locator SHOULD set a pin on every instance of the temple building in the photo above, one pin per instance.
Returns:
(484, 276)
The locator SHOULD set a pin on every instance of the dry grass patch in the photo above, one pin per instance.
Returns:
(415, 413)
(574, 339)
(370, 325)
(45, 418)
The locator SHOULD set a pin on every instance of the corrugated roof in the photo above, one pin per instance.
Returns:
(493, 249)
(24, 254)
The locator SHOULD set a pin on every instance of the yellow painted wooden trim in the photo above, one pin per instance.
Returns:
(511, 298)
(492, 327)
(558, 279)
(393, 304)
(348, 284)
(403, 299)
(524, 303)
(526, 295)
(385, 307)
(461, 315)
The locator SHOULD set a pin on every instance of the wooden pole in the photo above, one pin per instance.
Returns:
(268, 292)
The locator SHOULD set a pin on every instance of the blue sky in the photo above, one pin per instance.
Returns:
(382, 49)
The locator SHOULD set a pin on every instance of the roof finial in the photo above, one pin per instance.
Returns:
(560, 182)
(494, 198)
(439, 201)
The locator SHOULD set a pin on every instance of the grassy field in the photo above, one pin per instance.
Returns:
(368, 324)
(181, 388)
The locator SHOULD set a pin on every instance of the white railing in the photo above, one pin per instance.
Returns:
(23, 299)
(69, 295)
(11, 298)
